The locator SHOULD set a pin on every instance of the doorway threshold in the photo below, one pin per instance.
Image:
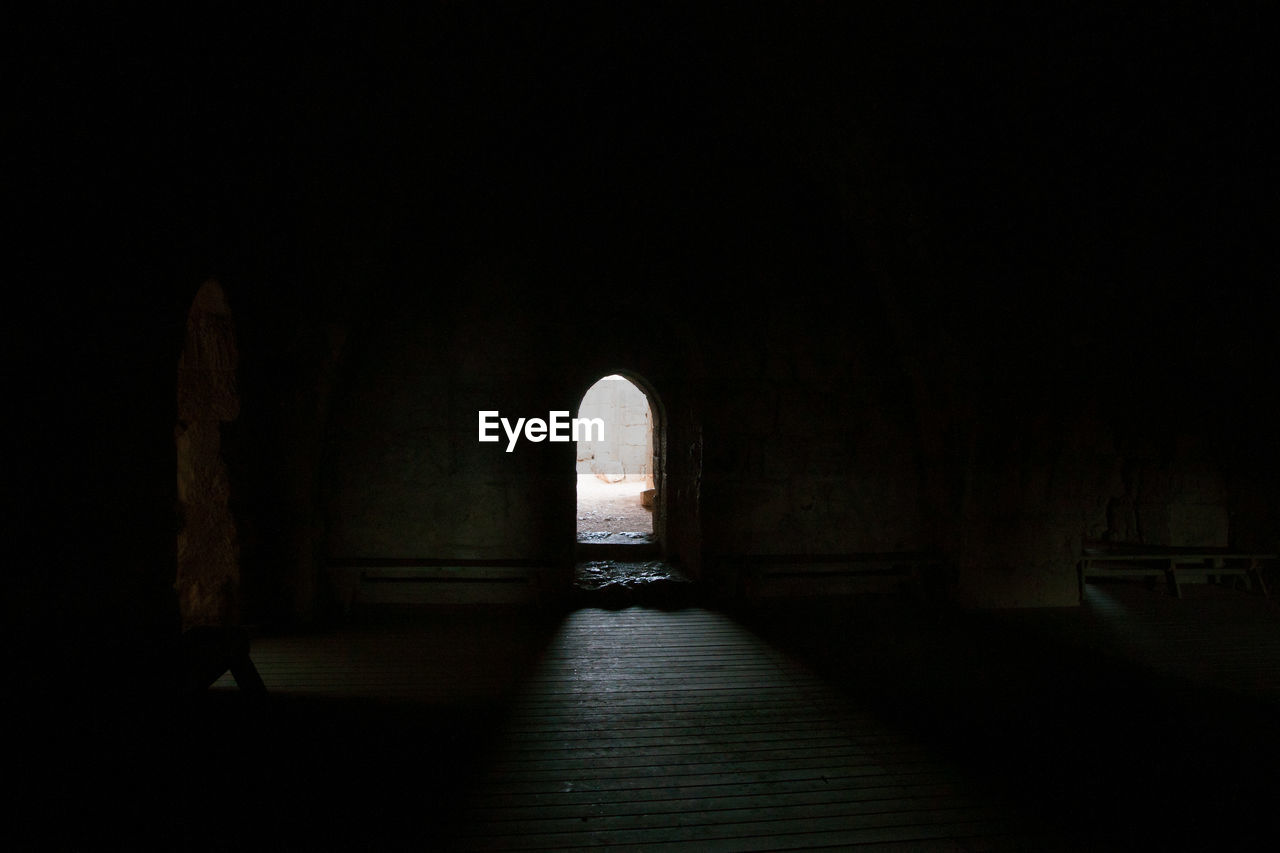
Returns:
(631, 580)
(626, 550)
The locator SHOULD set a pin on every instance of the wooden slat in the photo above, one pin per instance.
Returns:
(367, 563)
(682, 730)
(644, 728)
(1177, 564)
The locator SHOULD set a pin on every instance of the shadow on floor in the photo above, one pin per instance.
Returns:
(298, 771)
(334, 774)
(1104, 752)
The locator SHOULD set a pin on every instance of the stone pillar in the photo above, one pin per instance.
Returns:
(208, 576)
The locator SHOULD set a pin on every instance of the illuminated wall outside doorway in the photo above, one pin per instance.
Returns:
(616, 472)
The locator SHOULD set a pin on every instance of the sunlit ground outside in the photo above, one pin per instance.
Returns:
(612, 512)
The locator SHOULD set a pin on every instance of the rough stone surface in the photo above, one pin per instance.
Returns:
(208, 560)
(626, 451)
(621, 583)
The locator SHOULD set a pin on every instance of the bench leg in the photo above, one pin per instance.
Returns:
(1256, 571)
(210, 651)
(247, 678)
(1172, 572)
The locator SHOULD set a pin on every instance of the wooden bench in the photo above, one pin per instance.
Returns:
(428, 580)
(1176, 565)
(207, 651)
(809, 575)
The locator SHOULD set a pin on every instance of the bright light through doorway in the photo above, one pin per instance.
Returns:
(615, 475)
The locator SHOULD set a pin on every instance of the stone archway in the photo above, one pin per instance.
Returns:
(616, 464)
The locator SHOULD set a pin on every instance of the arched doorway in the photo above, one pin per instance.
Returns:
(621, 475)
(615, 464)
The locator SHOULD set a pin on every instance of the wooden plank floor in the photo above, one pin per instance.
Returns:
(1136, 721)
(646, 729)
(432, 661)
(1214, 636)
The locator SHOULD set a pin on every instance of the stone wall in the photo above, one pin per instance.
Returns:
(893, 304)
(626, 450)
(404, 472)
